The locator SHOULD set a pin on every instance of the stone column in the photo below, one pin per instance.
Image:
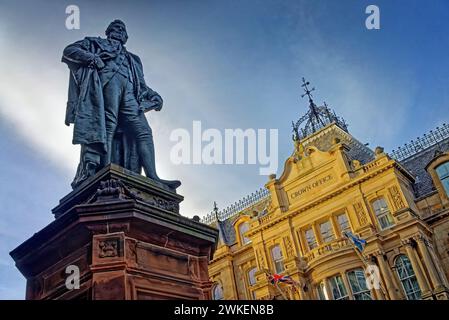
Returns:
(428, 262)
(422, 281)
(437, 262)
(385, 270)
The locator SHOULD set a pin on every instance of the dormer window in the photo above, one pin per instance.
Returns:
(443, 174)
(243, 228)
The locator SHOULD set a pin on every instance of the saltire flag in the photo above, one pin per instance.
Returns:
(359, 243)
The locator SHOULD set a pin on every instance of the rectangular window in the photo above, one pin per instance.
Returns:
(338, 288)
(276, 254)
(358, 285)
(310, 238)
(326, 231)
(343, 223)
(252, 276)
(383, 215)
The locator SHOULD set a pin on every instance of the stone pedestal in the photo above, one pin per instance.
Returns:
(124, 234)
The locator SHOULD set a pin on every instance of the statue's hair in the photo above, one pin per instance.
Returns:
(115, 22)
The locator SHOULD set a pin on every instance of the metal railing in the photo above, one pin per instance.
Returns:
(427, 140)
(237, 207)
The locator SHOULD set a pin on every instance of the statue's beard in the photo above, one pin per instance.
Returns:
(119, 36)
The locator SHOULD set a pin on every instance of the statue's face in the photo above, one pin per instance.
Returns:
(118, 32)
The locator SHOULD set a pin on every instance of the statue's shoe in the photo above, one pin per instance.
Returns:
(172, 184)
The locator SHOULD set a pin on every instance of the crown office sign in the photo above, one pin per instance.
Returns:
(311, 186)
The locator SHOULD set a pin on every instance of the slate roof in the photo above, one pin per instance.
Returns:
(417, 163)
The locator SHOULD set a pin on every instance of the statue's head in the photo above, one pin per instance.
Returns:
(117, 31)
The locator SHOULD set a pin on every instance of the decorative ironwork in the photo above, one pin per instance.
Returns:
(236, 207)
(429, 139)
(316, 118)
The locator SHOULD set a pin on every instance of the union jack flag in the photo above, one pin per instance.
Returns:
(275, 278)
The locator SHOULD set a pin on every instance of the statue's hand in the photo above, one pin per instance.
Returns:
(157, 99)
(98, 62)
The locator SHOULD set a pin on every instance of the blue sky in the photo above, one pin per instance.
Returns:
(229, 64)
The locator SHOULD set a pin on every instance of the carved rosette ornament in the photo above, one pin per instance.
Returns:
(397, 198)
(360, 213)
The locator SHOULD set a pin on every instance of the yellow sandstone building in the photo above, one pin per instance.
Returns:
(331, 184)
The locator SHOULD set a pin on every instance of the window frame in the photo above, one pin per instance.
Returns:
(249, 276)
(217, 285)
(278, 261)
(360, 283)
(430, 168)
(381, 215)
(416, 292)
(445, 177)
(349, 228)
(329, 238)
(332, 287)
(315, 242)
(243, 240)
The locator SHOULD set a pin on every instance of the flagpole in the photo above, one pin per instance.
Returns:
(365, 263)
(276, 285)
(282, 293)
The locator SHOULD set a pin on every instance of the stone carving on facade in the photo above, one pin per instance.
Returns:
(164, 204)
(112, 189)
(116, 189)
(360, 213)
(356, 165)
(407, 242)
(109, 248)
(397, 198)
(261, 260)
(289, 247)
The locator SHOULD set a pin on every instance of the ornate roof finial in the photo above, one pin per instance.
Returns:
(316, 118)
(308, 92)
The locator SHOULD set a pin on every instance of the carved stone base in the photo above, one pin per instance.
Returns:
(124, 234)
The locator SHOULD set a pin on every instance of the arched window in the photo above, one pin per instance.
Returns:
(357, 282)
(217, 292)
(407, 276)
(252, 276)
(443, 174)
(383, 215)
(244, 227)
(276, 254)
(338, 288)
